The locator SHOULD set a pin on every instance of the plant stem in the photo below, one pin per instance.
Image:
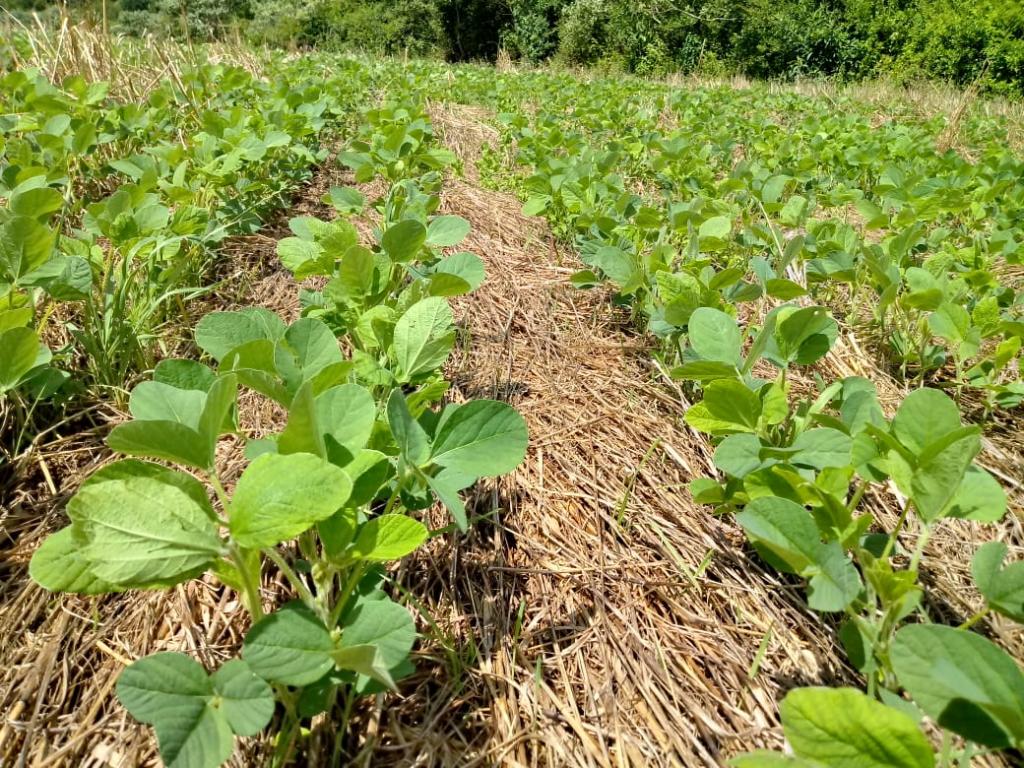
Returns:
(975, 619)
(896, 531)
(300, 586)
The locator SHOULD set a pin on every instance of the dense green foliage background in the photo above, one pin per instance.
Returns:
(904, 39)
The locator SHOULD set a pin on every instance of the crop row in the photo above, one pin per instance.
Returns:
(366, 443)
(747, 232)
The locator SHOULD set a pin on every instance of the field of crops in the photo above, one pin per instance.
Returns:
(360, 412)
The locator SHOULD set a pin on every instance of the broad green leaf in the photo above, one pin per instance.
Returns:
(448, 494)
(155, 401)
(25, 245)
(303, 432)
(173, 693)
(184, 374)
(280, 496)
(980, 497)
(789, 534)
(246, 700)
(1002, 587)
(412, 440)
(424, 337)
(383, 624)
(366, 660)
(941, 470)
(739, 455)
(715, 336)
(139, 526)
(962, 681)
(822, 447)
(402, 241)
(168, 440)
(483, 438)
(355, 272)
(388, 537)
(804, 335)
(19, 348)
(59, 566)
(786, 529)
(715, 228)
(728, 406)
(465, 265)
(308, 347)
(924, 416)
(220, 332)
(303, 257)
(844, 728)
(445, 231)
(347, 413)
(290, 646)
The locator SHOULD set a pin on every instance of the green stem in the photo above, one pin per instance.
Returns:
(896, 531)
(297, 583)
(346, 591)
(975, 619)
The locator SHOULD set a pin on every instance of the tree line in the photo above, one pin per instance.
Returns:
(960, 42)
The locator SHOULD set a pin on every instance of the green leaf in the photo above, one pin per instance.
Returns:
(924, 416)
(715, 228)
(303, 257)
(173, 693)
(962, 681)
(789, 534)
(941, 470)
(302, 433)
(155, 401)
(384, 625)
(445, 489)
(822, 447)
(424, 337)
(168, 440)
(412, 440)
(19, 348)
(307, 348)
(290, 646)
(402, 241)
(467, 266)
(980, 497)
(1002, 587)
(445, 231)
(280, 496)
(184, 374)
(715, 336)
(388, 537)
(785, 528)
(728, 406)
(347, 413)
(739, 455)
(483, 438)
(139, 525)
(355, 272)
(59, 566)
(844, 728)
(246, 700)
(25, 245)
(804, 335)
(220, 332)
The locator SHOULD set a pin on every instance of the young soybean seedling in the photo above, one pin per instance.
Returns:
(332, 485)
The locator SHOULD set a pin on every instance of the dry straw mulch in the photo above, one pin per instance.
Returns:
(595, 616)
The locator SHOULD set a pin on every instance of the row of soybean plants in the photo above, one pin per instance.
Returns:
(689, 205)
(112, 212)
(367, 446)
